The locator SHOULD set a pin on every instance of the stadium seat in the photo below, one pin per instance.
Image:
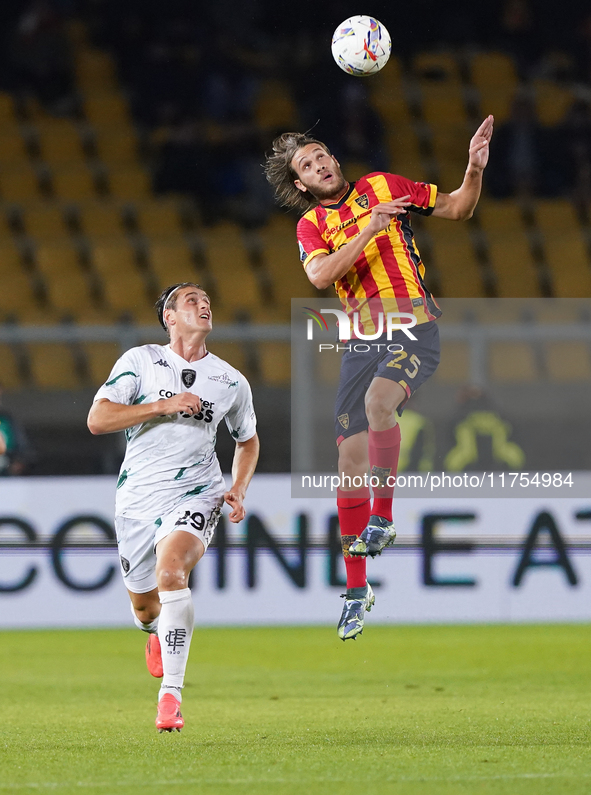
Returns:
(495, 77)
(13, 149)
(450, 143)
(274, 107)
(74, 183)
(512, 362)
(387, 94)
(106, 108)
(454, 255)
(59, 142)
(95, 71)
(565, 249)
(552, 101)
(275, 363)
(53, 365)
(568, 361)
(280, 252)
(405, 151)
(115, 146)
(19, 184)
(44, 220)
(68, 288)
(5, 230)
(16, 288)
(442, 103)
(159, 218)
(101, 218)
(228, 264)
(509, 249)
(171, 260)
(100, 358)
(231, 352)
(7, 111)
(123, 284)
(442, 67)
(455, 363)
(10, 376)
(131, 183)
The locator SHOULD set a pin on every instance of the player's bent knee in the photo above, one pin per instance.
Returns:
(172, 578)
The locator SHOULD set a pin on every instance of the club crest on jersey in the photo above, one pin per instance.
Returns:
(363, 201)
(344, 420)
(188, 378)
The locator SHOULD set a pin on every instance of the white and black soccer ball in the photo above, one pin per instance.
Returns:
(361, 46)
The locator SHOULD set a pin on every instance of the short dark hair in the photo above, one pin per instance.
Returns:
(281, 175)
(162, 303)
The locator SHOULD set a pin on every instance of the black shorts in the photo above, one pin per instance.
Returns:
(406, 361)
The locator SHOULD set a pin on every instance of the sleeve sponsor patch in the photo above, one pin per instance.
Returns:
(303, 254)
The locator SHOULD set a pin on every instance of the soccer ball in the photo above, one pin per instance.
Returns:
(361, 46)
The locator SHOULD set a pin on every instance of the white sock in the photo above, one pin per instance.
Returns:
(175, 629)
(151, 626)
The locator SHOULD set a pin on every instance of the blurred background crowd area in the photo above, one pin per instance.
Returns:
(131, 141)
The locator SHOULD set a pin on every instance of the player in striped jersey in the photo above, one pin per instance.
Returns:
(358, 237)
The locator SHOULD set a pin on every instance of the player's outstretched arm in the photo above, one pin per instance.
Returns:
(245, 460)
(459, 205)
(105, 416)
(324, 269)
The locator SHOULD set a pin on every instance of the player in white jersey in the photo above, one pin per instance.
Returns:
(169, 400)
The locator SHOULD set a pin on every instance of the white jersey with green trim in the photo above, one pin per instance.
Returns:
(172, 457)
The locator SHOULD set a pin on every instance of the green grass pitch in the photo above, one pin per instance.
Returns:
(403, 711)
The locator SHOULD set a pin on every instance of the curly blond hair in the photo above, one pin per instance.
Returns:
(281, 175)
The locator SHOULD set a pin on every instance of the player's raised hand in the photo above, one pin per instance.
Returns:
(235, 500)
(185, 402)
(382, 214)
(479, 145)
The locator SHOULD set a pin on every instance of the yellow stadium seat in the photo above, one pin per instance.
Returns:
(16, 289)
(60, 142)
(95, 70)
(228, 264)
(74, 183)
(68, 287)
(53, 365)
(565, 249)
(159, 217)
(387, 94)
(57, 257)
(568, 361)
(19, 184)
(455, 362)
(456, 260)
(7, 112)
(442, 103)
(101, 218)
(5, 230)
(280, 252)
(10, 376)
(513, 265)
(44, 220)
(171, 261)
(450, 143)
(509, 249)
(552, 214)
(274, 107)
(492, 69)
(275, 363)
(552, 101)
(100, 358)
(131, 183)
(106, 108)
(231, 352)
(442, 67)
(123, 285)
(405, 152)
(512, 361)
(562, 310)
(115, 146)
(13, 150)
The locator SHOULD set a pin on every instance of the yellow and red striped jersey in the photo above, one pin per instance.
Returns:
(388, 274)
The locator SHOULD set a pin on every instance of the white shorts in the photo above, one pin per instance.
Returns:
(137, 538)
